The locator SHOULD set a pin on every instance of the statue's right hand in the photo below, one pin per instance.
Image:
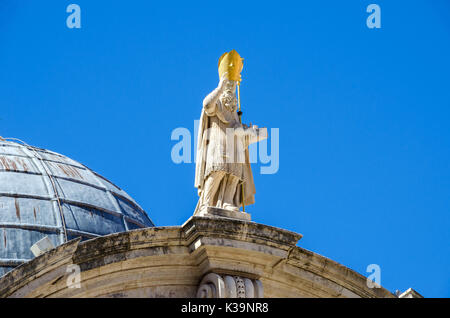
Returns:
(222, 79)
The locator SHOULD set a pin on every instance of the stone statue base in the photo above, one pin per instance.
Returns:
(218, 212)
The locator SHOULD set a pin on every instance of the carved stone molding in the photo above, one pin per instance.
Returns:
(226, 286)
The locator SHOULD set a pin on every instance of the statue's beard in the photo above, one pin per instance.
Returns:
(228, 99)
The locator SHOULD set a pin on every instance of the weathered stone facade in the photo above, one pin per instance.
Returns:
(205, 257)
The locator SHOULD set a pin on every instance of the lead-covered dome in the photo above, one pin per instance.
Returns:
(43, 193)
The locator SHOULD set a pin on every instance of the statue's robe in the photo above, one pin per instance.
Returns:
(212, 152)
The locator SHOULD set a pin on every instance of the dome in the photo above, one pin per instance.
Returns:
(43, 193)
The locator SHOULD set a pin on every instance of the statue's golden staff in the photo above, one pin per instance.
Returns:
(240, 121)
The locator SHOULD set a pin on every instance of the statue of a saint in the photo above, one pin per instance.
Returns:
(223, 174)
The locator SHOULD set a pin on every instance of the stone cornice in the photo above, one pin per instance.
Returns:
(171, 261)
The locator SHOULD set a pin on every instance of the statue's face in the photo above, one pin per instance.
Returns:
(230, 85)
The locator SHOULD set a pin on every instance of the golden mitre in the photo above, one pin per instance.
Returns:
(231, 62)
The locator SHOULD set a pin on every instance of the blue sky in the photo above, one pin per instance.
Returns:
(364, 114)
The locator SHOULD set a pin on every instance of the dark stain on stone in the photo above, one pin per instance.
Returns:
(57, 280)
(16, 203)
